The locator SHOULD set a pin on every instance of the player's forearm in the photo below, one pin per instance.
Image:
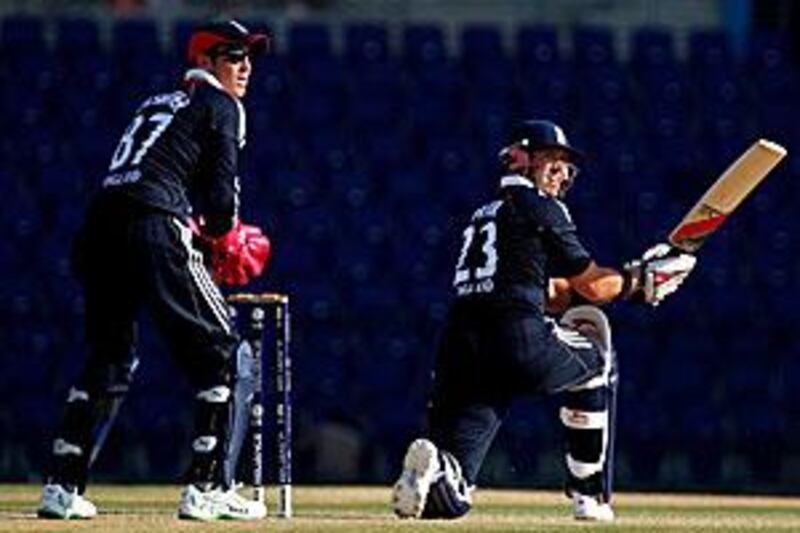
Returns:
(598, 284)
(221, 193)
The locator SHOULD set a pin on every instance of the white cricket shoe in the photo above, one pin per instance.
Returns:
(216, 504)
(58, 502)
(419, 467)
(233, 506)
(591, 509)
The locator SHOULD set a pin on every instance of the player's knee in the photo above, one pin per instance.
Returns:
(593, 323)
(450, 496)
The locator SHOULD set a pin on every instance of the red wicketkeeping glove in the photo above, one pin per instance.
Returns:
(238, 256)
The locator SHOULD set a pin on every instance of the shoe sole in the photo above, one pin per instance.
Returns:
(53, 515)
(411, 491)
(188, 515)
(50, 515)
(220, 515)
(594, 519)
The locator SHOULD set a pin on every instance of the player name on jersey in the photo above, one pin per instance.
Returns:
(475, 287)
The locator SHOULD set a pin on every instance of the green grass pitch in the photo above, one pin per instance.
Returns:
(150, 509)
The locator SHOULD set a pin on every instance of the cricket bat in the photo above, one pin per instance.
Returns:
(722, 198)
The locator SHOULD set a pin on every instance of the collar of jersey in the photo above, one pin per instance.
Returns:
(515, 180)
(198, 74)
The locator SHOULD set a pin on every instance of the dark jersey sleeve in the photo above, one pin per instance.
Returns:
(220, 189)
(567, 257)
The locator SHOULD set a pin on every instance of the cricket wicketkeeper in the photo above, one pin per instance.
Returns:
(139, 249)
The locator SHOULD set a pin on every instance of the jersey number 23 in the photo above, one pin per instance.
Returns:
(478, 259)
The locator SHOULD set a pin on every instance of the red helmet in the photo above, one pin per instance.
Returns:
(223, 37)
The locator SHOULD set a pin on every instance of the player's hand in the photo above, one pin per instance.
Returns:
(559, 296)
(659, 273)
(238, 256)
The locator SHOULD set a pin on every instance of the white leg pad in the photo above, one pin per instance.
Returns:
(589, 314)
(574, 419)
(575, 316)
(582, 470)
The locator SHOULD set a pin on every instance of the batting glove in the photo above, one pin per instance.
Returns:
(658, 273)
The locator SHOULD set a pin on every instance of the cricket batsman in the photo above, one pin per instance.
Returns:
(520, 257)
(138, 250)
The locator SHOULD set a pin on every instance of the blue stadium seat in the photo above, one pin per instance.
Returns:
(308, 41)
(313, 107)
(429, 224)
(329, 150)
(537, 48)
(423, 47)
(271, 79)
(725, 138)
(604, 90)
(406, 186)
(22, 32)
(366, 44)
(593, 47)
(351, 188)
(550, 94)
(319, 302)
(652, 48)
(384, 150)
(481, 43)
(372, 228)
(376, 98)
(276, 153)
(490, 121)
(768, 52)
(724, 96)
(299, 261)
(135, 39)
(376, 303)
(770, 62)
(77, 38)
(311, 59)
(411, 264)
(710, 50)
(356, 263)
(484, 57)
(181, 33)
(295, 189)
(436, 101)
(35, 410)
(315, 225)
(448, 157)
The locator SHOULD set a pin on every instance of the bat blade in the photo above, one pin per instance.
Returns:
(725, 195)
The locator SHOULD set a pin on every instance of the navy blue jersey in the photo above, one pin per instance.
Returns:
(515, 243)
(181, 150)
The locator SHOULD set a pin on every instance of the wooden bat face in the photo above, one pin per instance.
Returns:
(724, 196)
